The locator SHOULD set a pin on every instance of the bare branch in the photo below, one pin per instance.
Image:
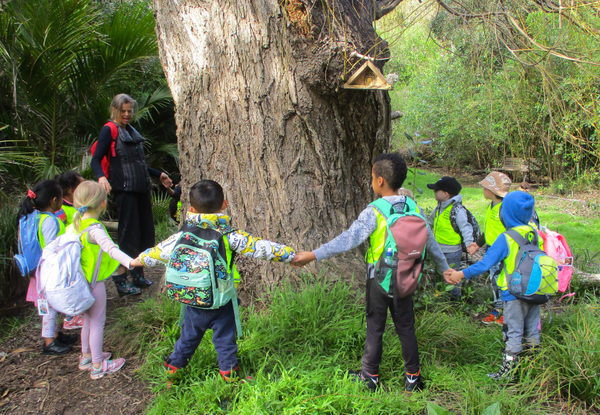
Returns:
(384, 7)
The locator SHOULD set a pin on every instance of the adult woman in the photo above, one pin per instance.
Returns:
(129, 178)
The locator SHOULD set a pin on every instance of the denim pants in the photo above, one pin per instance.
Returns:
(195, 324)
(521, 322)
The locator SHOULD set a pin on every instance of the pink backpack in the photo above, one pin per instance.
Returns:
(556, 246)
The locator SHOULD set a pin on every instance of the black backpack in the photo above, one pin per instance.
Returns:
(456, 207)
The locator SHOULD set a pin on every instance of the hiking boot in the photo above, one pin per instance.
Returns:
(491, 318)
(500, 320)
(413, 382)
(85, 363)
(509, 362)
(137, 275)
(124, 287)
(107, 367)
(73, 323)
(67, 338)
(56, 348)
(370, 381)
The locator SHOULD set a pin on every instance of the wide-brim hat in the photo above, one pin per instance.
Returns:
(497, 183)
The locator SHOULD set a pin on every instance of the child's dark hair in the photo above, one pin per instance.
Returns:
(392, 168)
(45, 191)
(207, 196)
(69, 180)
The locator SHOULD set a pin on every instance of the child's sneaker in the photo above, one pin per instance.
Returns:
(500, 320)
(233, 375)
(73, 323)
(67, 338)
(85, 363)
(107, 367)
(509, 362)
(491, 318)
(171, 370)
(371, 381)
(413, 382)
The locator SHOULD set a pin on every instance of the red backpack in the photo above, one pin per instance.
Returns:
(114, 132)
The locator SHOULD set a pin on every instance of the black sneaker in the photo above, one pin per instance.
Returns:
(371, 381)
(67, 338)
(56, 348)
(413, 382)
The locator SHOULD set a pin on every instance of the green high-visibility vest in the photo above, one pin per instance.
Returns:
(442, 228)
(90, 251)
(493, 225)
(69, 212)
(61, 227)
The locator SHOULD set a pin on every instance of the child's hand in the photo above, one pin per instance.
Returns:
(303, 258)
(472, 248)
(456, 277)
(136, 263)
(447, 275)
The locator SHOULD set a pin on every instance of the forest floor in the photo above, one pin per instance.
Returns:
(31, 383)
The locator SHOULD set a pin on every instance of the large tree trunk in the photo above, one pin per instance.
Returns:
(260, 109)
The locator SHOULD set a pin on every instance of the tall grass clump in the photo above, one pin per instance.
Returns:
(568, 363)
(12, 283)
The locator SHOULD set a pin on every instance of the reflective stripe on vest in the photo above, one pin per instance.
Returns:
(377, 238)
(442, 228)
(513, 250)
(493, 226)
(61, 227)
(89, 254)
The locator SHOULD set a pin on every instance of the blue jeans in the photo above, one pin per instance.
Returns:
(195, 324)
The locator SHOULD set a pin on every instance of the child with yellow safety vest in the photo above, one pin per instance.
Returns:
(207, 233)
(46, 197)
(99, 256)
(448, 217)
(69, 181)
(521, 318)
(496, 186)
(388, 175)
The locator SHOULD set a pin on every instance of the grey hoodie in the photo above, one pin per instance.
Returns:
(466, 230)
(363, 227)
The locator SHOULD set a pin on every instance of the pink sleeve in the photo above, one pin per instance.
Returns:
(98, 236)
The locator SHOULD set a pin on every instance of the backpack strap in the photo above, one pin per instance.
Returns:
(114, 132)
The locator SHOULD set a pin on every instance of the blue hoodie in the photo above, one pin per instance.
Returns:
(516, 210)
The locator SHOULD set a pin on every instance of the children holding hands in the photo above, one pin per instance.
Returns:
(388, 174)
(520, 318)
(184, 255)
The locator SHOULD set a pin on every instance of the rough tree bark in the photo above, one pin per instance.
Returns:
(260, 108)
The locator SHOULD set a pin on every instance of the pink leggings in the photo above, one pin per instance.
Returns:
(93, 324)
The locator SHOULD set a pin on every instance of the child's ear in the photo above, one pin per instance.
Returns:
(224, 205)
(191, 209)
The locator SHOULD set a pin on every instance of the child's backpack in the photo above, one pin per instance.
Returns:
(114, 132)
(556, 246)
(30, 249)
(197, 273)
(60, 277)
(535, 274)
(398, 270)
(456, 207)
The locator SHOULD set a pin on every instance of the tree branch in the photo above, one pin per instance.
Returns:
(384, 7)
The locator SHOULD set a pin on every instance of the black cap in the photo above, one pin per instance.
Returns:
(447, 184)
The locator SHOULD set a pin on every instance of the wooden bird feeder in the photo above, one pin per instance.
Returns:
(367, 77)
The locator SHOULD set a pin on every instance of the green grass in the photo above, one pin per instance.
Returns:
(300, 347)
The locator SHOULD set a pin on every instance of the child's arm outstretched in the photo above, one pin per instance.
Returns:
(251, 246)
(97, 235)
(497, 252)
(159, 254)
